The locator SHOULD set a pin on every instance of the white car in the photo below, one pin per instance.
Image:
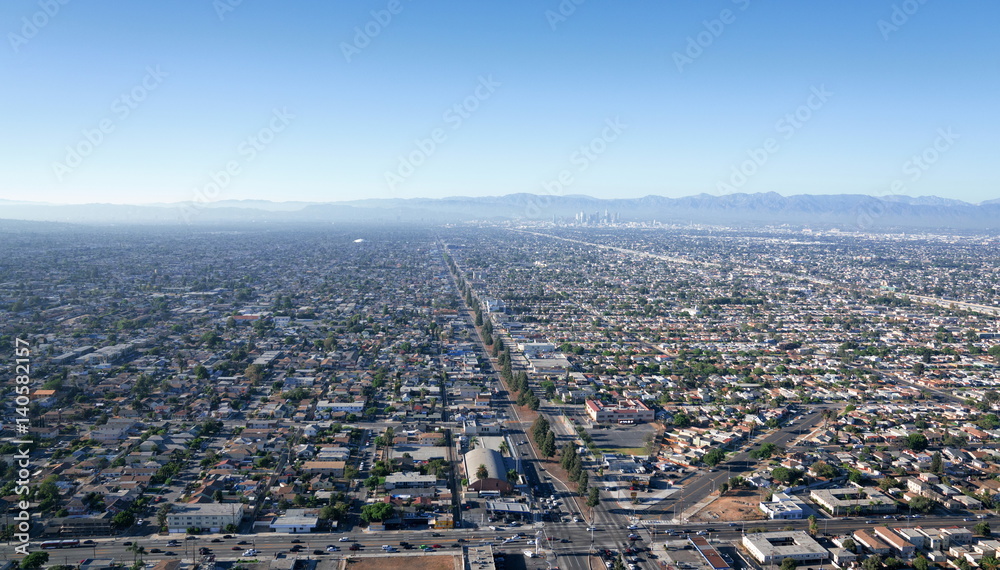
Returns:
(345, 538)
(250, 552)
(591, 528)
(529, 553)
(633, 527)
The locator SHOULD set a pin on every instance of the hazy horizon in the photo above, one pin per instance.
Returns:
(229, 100)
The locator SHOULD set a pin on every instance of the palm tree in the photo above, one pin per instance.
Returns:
(137, 552)
(482, 472)
(504, 447)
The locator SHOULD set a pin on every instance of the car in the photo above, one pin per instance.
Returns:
(967, 519)
(344, 539)
(227, 536)
(564, 540)
(216, 540)
(332, 548)
(235, 548)
(155, 550)
(633, 527)
(709, 529)
(319, 552)
(296, 541)
(435, 534)
(88, 542)
(355, 546)
(699, 533)
(127, 543)
(242, 542)
(191, 537)
(169, 553)
(591, 528)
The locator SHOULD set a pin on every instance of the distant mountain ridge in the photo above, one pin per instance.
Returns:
(845, 211)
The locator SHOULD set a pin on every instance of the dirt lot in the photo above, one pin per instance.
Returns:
(735, 506)
(442, 562)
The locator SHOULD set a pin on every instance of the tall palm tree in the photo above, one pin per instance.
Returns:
(137, 552)
(482, 472)
(504, 447)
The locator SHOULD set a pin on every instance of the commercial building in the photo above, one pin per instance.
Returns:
(783, 506)
(212, 517)
(495, 482)
(628, 411)
(773, 547)
(851, 500)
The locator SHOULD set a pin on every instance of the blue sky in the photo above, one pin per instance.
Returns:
(145, 102)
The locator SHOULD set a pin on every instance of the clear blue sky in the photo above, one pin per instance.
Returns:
(546, 86)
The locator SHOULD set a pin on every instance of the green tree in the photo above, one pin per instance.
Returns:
(377, 512)
(922, 504)
(937, 462)
(123, 519)
(161, 515)
(849, 544)
(873, 562)
(981, 528)
(548, 446)
(788, 564)
(482, 472)
(765, 451)
(714, 457)
(921, 563)
(681, 420)
(916, 441)
(594, 497)
(34, 560)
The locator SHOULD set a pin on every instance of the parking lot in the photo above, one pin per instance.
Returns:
(624, 437)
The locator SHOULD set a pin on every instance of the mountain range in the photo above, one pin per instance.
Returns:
(844, 211)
